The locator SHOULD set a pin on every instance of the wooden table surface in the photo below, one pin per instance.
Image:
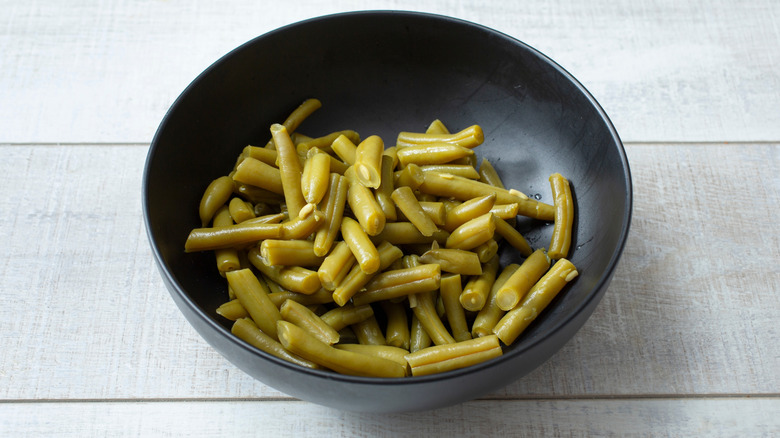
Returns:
(684, 343)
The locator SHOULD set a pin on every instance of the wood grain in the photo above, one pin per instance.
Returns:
(86, 72)
(691, 310)
(728, 417)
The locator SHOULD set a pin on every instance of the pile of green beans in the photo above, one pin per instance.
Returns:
(342, 254)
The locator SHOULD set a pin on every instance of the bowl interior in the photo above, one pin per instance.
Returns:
(381, 73)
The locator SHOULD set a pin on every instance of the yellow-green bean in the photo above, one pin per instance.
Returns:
(455, 261)
(304, 318)
(333, 205)
(490, 314)
(385, 190)
(248, 331)
(289, 169)
(256, 173)
(238, 235)
(515, 288)
(296, 340)
(357, 278)
(437, 127)
(215, 196)
(513, 237)
(516, 320)
(290, 253)
(487, 250)
(345, 149)
(368, 161)
(473, 233)
(463, 170)
(426, 313)
(419, 338)
(335, 267)
(445, 185)
(399, 283)
(435, 153)
(232, 310)
(326, 141)
(450, 292)
(240, 211)
(477, 289)
(409, 205)
(347, 315)
(397, 328)
(292, 278)
(441, 358)
(411, 176)
(315, 176)
(322, 296)
(360, 244)
(396, 354)
(226, 258)
(368, 332)
(253, 296)
(299, 114)
(564, 217)
(473, 208)
(488, 174)
(469, 137)
(365, 208)
(405, 233)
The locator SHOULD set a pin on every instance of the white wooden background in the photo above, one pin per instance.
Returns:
(685, 342)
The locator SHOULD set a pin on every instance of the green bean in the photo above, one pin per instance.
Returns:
(564, 217)
(345, 149)
(471, 209)
(315, 176)
(405, 233)
(516, 286)
(473, 233)
(296, 340)
(477, 289)
(410, 176)
(419, 338)
(409, 205)
(441, 358)
(456, 317)
(541, 294)
(253, 296)
(490, 314)
(290, 253)
(299, 114)
(365, 208)
(293, 278)
(256, 173)
(463, 170)
(469, 137)
(215, 196)
(425, 311)
(488, 174)
(248, 331)
(205, 239)
(368, 332)
(240, 211)
(400, 283)
(393, 353)
(232, 310)
(336, 266)
(385, 190)
(357, 277)
(455, 261)
(333, 205)
(513, 237)
(304, 318)
(397, 328)
(226, 258)
(445, 185)
(289, 169)
(435, 153)
(361, 246)
(368, 161)
(347, 315)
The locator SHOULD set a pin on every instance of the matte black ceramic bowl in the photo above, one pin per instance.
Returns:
(381, 73)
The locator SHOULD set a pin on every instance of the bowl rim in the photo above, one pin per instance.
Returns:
(596, 292)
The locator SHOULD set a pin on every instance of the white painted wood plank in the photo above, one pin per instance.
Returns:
(729, 417)
(85, 71)
(693, 308)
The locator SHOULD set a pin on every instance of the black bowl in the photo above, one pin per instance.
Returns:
(381, 73)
